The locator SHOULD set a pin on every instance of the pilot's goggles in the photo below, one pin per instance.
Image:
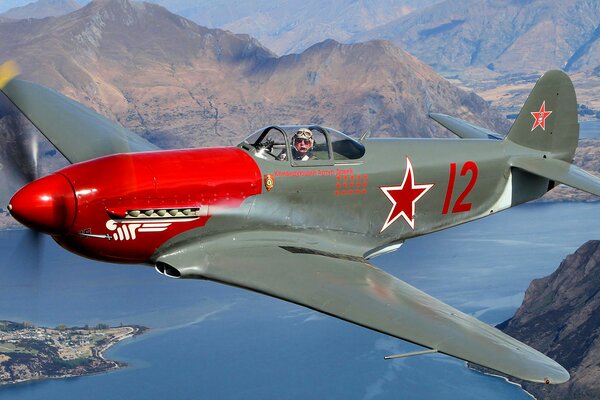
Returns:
(300, 140)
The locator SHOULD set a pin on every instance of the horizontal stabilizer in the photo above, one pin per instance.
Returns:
(463, 129)
(559, 171)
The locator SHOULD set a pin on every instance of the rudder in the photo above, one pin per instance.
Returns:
(548, 120)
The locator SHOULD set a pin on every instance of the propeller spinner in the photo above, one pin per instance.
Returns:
(46, 205)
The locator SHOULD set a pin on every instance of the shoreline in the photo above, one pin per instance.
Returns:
(114, 341)
(481, 370)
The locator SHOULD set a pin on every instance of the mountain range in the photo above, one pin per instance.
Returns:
(285, 27)
(290, 26)
(505, 35)
(502, 36)
(185, 85)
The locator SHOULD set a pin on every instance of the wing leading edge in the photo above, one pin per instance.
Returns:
(350, 288)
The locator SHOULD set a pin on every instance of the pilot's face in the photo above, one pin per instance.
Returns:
(302, 146)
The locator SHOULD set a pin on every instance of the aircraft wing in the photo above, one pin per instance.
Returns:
(348, 287)
(79, 133)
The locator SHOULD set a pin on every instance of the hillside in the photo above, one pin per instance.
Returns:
(560, 316)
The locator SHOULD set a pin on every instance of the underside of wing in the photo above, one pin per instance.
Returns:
(79, 133)
(350, 288)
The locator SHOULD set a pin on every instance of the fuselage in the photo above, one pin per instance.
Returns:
(128, 207)
(453, 181)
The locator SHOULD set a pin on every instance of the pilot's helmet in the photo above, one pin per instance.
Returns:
(304, 133)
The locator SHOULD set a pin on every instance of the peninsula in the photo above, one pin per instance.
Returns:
(28, 352)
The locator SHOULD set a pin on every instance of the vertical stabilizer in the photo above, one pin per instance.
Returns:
(548, 120)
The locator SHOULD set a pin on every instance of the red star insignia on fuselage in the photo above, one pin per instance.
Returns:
(540, 117)
(404, 198)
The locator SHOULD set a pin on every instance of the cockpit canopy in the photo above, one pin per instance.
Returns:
(329, 145)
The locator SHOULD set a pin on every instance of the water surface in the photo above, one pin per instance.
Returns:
(213, 341)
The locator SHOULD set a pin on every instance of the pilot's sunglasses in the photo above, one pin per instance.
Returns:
(300, 140)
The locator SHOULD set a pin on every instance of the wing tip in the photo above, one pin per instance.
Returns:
(554, 374)
(561, 376)
(8, 71)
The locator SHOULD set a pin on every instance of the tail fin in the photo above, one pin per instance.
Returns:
(548, 120)
(548, 123)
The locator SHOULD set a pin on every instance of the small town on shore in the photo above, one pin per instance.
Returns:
(29, 352)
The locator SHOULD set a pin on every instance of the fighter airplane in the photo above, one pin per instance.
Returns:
(303, 230)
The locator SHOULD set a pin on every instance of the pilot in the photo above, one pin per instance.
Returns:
(302, 145)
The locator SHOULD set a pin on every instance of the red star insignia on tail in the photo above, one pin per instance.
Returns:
(540, 117)
(404, 198)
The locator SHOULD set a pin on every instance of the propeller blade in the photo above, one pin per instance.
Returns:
(20, 157)
(19, 135)
(24, 152)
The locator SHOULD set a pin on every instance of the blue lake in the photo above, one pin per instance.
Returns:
(212, 341)
(589, 129)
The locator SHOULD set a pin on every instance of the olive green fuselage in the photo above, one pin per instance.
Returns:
(343, 202)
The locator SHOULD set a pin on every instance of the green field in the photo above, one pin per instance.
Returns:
(11, 348)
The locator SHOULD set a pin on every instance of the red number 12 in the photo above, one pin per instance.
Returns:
(459, 206)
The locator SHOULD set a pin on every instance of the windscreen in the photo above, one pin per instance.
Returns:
(344, 147)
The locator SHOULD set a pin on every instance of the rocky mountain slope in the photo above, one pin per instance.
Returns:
(184, 85)
(506, 35)
(42, 9)
(560, 316)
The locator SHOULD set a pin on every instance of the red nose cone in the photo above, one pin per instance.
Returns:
(46, 205)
